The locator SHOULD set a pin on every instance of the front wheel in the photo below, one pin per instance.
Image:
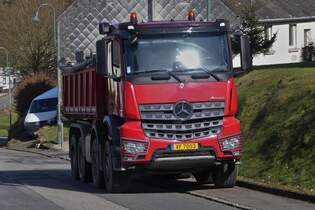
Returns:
(225, 175)
(114, 181)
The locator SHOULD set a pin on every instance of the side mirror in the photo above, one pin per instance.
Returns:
(246, 55)
(104, 28)
(101, 57)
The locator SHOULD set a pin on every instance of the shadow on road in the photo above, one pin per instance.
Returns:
(61, 179)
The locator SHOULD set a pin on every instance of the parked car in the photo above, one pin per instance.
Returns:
(42, 111)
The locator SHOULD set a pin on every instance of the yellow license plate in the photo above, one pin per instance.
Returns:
(183, 147)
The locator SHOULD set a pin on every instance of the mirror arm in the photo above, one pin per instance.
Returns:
(113, 77)
(116, 78)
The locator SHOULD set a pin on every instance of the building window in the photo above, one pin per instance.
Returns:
(307, 37)
(268, 32)
(292, 35)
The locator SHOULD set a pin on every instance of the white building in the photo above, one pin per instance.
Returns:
(293, 34)
(4, 80)
(292, 20)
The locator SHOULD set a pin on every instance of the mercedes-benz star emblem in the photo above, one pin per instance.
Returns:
(183, 110)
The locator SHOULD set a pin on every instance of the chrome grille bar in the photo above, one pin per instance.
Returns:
(183, 136)
(159, 120)
(170, 116)
(182, 127)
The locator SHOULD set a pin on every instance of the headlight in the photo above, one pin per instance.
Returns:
(134, 147)
(131, 149)
(230, 143)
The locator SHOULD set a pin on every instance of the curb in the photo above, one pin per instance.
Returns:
(60, 156)
(219, 200)
(276, 191)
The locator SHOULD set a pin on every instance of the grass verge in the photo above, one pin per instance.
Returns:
(4, 121)
(278, 121)
(48, 134)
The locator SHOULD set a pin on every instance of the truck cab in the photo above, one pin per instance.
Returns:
(165, 103)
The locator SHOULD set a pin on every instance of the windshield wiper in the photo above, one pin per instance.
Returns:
(210, 73)
(175, 77)
(204, 70)
(160, 70)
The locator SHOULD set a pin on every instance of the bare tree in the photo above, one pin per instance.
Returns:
(31, 44)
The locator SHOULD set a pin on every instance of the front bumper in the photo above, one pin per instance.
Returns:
(31, 127)
(160, 156)
(34, 126)
(169, 160)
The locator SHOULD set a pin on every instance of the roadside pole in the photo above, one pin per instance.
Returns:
(10, 93)
(59, 120)
(10, 103)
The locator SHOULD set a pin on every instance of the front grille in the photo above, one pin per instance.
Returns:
(160, 120)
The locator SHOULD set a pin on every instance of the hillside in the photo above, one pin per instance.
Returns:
(277, 110)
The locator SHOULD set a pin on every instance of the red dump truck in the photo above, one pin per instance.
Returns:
(156, 98)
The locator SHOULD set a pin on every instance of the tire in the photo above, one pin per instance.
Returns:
(203, 177)
(97, 174)
(225, 175)
(74, 157)
(85, 172)
(115, 182)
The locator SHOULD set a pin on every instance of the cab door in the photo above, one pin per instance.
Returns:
(114, 72)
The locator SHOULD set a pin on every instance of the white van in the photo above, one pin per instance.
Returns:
(42, 111)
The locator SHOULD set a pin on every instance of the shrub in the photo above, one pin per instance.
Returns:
(30, 87)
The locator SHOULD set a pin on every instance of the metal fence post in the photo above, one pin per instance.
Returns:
(209, 10)
(150, 10)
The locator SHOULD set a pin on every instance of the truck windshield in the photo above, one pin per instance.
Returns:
(44, 105)
(178, 52)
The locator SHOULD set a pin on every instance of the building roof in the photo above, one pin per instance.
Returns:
(275, 9)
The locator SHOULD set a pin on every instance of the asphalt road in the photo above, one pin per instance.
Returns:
(33, 182)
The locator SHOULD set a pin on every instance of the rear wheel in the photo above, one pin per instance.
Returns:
(74, 157)
(97, 174)
(225, 175)
(114, 181)
(84, 166)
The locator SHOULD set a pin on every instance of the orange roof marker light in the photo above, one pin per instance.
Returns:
(133, 18)
(192, 15)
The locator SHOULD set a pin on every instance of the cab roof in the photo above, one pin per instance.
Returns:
(171, 26)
